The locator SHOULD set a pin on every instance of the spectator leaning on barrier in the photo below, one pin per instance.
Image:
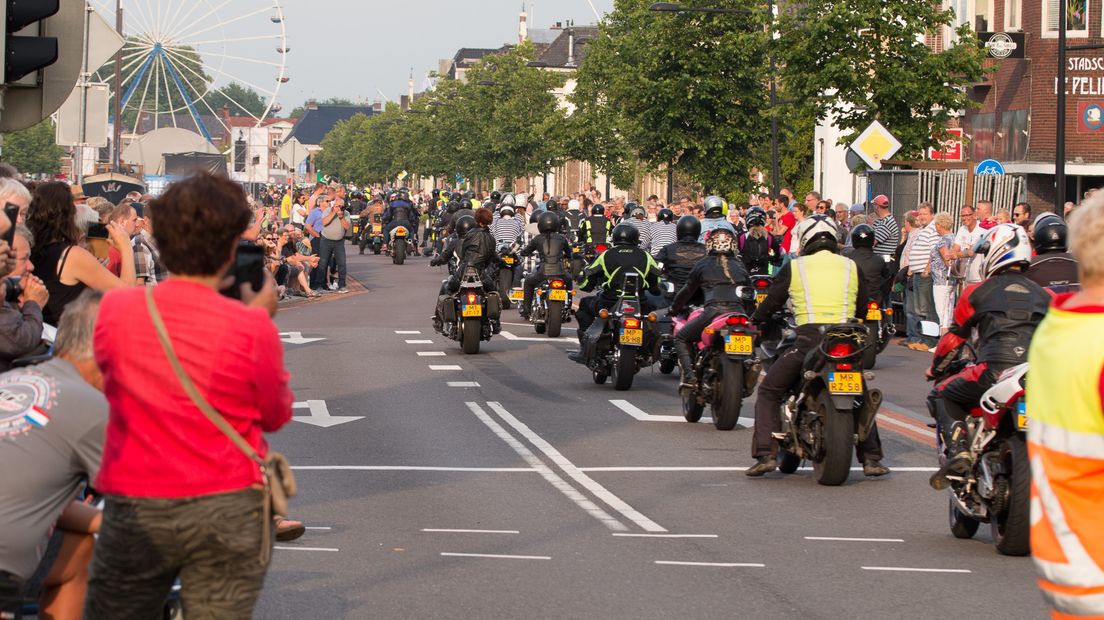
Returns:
(919, 295)
(21, 311)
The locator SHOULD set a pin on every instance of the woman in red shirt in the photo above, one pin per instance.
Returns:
(182, 500)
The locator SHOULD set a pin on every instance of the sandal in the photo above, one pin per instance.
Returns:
(287, 530)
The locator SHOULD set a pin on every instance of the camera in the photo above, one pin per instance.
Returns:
(248, 269)
(14, 288)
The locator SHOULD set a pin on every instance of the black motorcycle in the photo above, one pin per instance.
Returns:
(833, 408)
(629, 340)
(401, 244)
(879, 320)
(551, 306)
(467, 319)
(505, 276)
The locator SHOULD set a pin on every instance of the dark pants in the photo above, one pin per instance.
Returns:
(588, 311)
(780, 379)
(211, 543)
(919, 306)
(530, 283)
(333, 255)
(392, 225)
(952, 398)
(318, 274)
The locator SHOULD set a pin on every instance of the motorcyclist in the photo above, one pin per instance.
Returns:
(495, 200)
(608, 272)
(400, 212)
(717, 277)
(367, 220)
(1005, 309)
(759, 249)
(463, 207)
(596, 229)
(575, 219)
(679, 258)
(475, 248)
(553, 250)
(637, 220)
(664, 232)
(873, 269)
(716, 216)
(825, 289)
(1052, 267)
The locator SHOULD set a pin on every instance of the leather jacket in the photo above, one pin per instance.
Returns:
(1054, 270)
(553, 250)
(679, 259)
(873, 269)
(400, 211)
(477, 249)
(759, 253)
(708, 275)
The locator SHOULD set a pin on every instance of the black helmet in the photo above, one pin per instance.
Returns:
(456, 196)
(464, 225)
(453, 206)
(756, 216)
(496, 196)
(435, 193)
(548, 223)
(469, 194)
(862, 236)
(665, 215)
(689, 227)
(598, 209)
(1050, 234)
(626, 234)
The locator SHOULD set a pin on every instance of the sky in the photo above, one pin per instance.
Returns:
(356, 48)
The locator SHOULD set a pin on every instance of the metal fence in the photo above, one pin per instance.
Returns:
(944, 189)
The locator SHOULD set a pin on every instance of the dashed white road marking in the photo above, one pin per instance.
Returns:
(508, 336)
(407, 333)
(463, 384)
(451, 531)
(902, 569)
(564, 328)
(318, 528)
(431, 353)
(575, 474)
(712, 564)
(494, 556)
(833, 538)
(444, 367)
(723, 469)
(545, 471)
(330, 549)
(640, 414)
(494, 470)
(625, 535)
(419, 342)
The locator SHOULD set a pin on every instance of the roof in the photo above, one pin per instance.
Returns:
(317, 122)
(558, 53)
(182, 120)
(468, 56)
(248, 121)
(543, 36)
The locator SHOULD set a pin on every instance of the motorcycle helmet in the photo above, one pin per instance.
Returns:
(756, 216)
(665, 215)
(1004, 246)
(720, 241)
(548, 223)
(506, 211)
(508, 200)
(862, 236)
(715, 206)
(637, 212)
(1050, 234)
(816, 233)
(456, 196)
(453, 206)
(496, 196)
(573, 205)
(469, 194)
(598, 210)
(625, 234)
(435, 193)
(464, 225)
(688, 228)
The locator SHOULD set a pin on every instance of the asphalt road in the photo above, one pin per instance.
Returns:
(509, 485)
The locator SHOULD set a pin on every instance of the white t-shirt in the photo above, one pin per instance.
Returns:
(965, 240)
(298, 213)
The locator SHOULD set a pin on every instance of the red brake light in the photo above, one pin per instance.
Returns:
(472, 298)
(628, 310)
(761, 284)
(843, 366)
(557, 284)
(600, 248)
(841, 349)
(872, 305)
(736, 320)
(632, 323)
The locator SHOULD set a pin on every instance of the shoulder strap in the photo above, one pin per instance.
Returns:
(63, 257)
(190, 388)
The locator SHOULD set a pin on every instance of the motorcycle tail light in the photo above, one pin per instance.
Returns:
(841, 349)
(628, 310)
(472, 298)
(557, 284)
(652, 318)
(600, 249)
(761, 284)
(889, 311)
(603, 314)
(632, 323)
(843, 367)
(736, 320)
(872, 305)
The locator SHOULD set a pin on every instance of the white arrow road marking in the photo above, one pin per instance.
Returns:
(639, 414)
(508, 336)
(297, 338)
(320, 415)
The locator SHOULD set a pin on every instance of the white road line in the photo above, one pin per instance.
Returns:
(495, 556)
(666, 535)
(722, 469)
(419, 342)
(431, 353)
(833, 538)
(643, 416)
(463, 384)
(575, 474)
(545, 471)
(713, 564)
(407, 333)
(448, 531)
(901, 569)
(507, 470)
(444, 367)
(564, 328)
(331, 549)
(923, 430)
(318, 528)
(508, 336)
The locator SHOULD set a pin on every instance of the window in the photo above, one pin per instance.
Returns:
(1077, 18)
(1013, 9)
(983, 16)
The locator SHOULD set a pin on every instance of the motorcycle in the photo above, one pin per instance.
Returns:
(400, 245)
(760, 284)
(505, 275)
(551, 306)
(467, 319)
(725, 368)
(997, 489)
(668, 356)
(833, 407)
(882, 330)
(371, 235)
(629, 341)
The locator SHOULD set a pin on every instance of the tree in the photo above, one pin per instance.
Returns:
(33, 151)
(865, 60)
(241, 100)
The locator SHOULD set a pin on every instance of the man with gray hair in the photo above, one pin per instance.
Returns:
(13, 191)
(21, 309)
(52, 427)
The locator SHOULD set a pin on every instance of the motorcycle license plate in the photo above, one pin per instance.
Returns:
(472, 310)
(633, 337)
(356, 229)
(873, 315)
(738, 344)
(509, 260)
(517, 294)
(557, 295)
(1021, 415)
(376, 228)
(845, 382)
(760, 298)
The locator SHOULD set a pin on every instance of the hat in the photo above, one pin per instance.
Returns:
(858, 208)
(880, 200)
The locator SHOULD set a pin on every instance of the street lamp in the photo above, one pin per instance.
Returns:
(674, 7)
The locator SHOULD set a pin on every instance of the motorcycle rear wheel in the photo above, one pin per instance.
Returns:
(692, 409)
(726, 407)
(553, 319)
(667, 366)
(788, 462)
(1011, 528)
(399, 252)
(624, 369)
(470, 336)
(838, 429)
(505, 280)
(962, 525)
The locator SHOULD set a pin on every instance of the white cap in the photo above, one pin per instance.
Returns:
(573, 205)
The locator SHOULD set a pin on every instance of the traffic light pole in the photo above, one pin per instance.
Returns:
(82, 137)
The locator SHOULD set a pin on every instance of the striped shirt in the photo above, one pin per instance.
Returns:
(661, 235)
(886, 236)
(920, 252)
(644, 227)
(506, 230)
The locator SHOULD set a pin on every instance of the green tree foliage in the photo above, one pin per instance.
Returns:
(241, 100)
(32, 150)
(682, 88)
(866, 60)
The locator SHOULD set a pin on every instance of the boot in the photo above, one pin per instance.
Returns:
(763, 465)
(689, 382)
(874, 468)
(959, 459)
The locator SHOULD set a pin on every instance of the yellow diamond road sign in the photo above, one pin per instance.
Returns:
(874, 144)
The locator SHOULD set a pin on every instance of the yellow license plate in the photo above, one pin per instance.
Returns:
(472, 310)
(632, 336)
(509, 260)
(1021, 415)
(557, 295)
(356, 229)
(377, 228)
(738, 344)
(873, 315)
(760, 298)
(517, 294)
(845, 382)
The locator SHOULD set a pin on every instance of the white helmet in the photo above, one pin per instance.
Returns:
(1003, 246)
(505, 210)
(573, 205)
(815, 233)
(508, 201)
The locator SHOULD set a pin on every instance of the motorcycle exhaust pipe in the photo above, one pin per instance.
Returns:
(871, 404)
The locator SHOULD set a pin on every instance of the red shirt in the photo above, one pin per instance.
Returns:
(114, 262)
(158, 443)
(789, 220)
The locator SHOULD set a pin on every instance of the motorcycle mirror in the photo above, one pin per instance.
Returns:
(929, 329)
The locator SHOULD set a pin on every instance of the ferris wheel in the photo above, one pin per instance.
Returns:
(180, 55)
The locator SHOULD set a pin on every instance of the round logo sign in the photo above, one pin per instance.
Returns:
(1000, 45)
(1094, 116)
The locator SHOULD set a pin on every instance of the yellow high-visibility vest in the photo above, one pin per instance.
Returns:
(824, 288)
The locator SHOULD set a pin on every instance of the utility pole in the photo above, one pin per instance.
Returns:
(1060, 133)
(117, 127)
(85, 76)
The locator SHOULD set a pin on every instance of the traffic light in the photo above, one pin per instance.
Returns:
(26, 54)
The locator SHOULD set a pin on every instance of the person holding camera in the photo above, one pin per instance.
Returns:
(24, 297)
(335, 222)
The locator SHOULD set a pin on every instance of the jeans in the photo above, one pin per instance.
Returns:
(317, 275)
(919, 306)
(332, 253)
